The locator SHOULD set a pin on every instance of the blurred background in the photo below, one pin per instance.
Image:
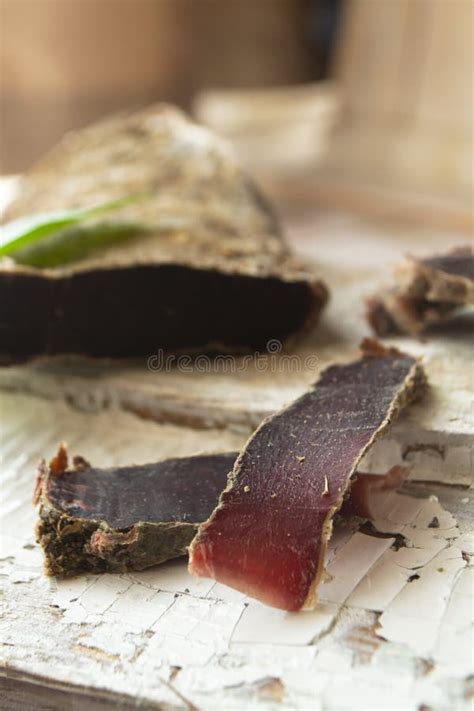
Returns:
(335, 100)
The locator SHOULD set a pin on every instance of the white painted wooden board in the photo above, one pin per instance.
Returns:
(393, 629)
(167, 637)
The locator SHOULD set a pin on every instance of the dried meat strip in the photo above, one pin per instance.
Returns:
(131, 518)
(427, 291)
(128, 518)
(268, 535)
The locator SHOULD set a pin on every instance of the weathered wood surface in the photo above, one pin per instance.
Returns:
(166, 638)
(393, 627)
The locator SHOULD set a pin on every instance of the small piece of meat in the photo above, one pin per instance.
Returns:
(268, 535)
(457, 263)
(427, 291)
(367, 490)
(130, 518)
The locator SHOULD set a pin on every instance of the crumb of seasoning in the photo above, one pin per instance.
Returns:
(300, 458)
(246, 488)
(273, 495)
(326, 486)
(440, 570)
(434, 523)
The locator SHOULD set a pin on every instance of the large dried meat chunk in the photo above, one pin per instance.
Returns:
(204, 266)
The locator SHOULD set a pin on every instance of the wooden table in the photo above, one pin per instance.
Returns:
(393, 627)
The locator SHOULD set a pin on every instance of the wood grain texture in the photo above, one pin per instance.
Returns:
(22, 692)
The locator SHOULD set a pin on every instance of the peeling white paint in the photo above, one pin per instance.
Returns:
(352, 563)
(381, 584)
(130, 633)
(262, 624)
(415, 615)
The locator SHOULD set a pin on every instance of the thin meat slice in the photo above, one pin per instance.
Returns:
(127, 518)
(268, 535)
(427, 291)
(135, 517)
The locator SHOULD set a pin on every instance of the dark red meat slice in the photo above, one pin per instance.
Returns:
(181, 490)
(268, 535)
(126, 518)
(133, 517)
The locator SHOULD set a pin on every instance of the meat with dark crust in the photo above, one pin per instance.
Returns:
(427, 291)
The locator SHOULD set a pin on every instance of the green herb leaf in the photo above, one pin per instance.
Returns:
(27, 231)
(75, 242)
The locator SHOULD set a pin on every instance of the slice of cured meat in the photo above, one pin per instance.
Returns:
(368, 490)
(268, 535)
(207, 270)
(427, 291)
(129, 518)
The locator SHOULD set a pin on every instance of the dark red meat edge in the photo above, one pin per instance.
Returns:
(268, 535)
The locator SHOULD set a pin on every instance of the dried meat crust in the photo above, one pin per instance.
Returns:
(268, 535)
(210, 271)
(131, 518)
(427, 291)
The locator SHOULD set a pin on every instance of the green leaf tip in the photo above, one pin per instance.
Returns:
(20, 238)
